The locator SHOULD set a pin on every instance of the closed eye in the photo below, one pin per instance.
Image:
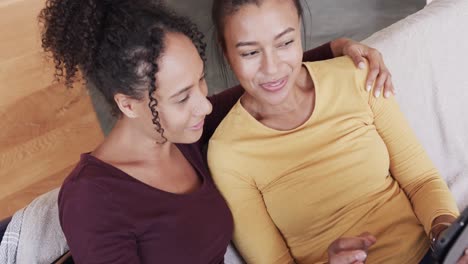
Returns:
(287, 43)
(249, 54)
(184, 100)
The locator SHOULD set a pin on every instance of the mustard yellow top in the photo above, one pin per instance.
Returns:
(354, 166)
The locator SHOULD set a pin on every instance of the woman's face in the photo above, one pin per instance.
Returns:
(263, 47)
(181, 92)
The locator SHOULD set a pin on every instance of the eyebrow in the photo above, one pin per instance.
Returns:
(252, 43)
(183, 90)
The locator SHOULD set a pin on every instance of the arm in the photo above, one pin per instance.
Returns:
(94, 226)
(255, 235)
(323, 52)
(409, 163)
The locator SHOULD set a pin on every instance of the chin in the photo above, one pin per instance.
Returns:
(190, 137)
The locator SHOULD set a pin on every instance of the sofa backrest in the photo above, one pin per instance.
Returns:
(427, 54)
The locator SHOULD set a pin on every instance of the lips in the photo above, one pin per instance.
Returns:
(198, 126)
(275, 85)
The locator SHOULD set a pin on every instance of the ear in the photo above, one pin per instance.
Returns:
(127, 105)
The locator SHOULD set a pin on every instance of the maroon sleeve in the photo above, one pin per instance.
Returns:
(224, 101)
(323, 52)
(94, 226)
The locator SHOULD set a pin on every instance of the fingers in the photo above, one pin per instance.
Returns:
(349, 257)
(389, 89)
(350, 243)
(378, 77)
(350, 250)
(372, 239)
(362, 242)
(374, 68)
(357, 57)
(464, 258)
(381, 79)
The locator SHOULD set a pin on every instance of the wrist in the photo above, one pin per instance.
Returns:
(438, 226)
(338, 45)
(435, 232)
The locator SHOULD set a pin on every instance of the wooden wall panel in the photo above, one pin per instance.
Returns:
(43, 126)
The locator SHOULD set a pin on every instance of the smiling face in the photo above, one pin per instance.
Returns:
(263, 47)
(181, 94)
(182, 90)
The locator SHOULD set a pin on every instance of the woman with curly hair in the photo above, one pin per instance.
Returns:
(145, 194)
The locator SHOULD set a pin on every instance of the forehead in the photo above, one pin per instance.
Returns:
(179, 64)
(269, 16)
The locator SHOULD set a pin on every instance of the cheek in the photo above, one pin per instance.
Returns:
(244, 69)
(170, 119)
(293, 56)
(298, 54)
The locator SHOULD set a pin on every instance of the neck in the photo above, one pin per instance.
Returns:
(263, 109)
(124, 141)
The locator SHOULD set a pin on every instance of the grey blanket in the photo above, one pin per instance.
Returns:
(34, 234)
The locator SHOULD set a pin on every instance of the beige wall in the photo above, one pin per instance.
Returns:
(43, 126)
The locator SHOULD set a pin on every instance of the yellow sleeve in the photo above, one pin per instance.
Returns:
(255, 235)
(410, 165)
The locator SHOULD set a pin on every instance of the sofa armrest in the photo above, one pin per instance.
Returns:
(66, 258)
(3, 226)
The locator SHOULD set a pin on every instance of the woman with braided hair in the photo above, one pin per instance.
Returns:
(144, 196)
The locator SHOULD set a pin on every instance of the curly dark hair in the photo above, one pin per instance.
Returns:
(114, 43)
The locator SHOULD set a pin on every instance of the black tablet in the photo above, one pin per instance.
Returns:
(453, 241)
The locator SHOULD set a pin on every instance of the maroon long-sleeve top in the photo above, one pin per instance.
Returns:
(110, 217)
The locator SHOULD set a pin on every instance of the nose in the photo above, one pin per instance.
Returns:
(203, 106)
(270, 63)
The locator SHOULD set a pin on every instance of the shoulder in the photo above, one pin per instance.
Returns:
(93, 172)
(228, 137)
(85, 204)
(84, 194)
(339, 76)
(230, 127)
(87, 185)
